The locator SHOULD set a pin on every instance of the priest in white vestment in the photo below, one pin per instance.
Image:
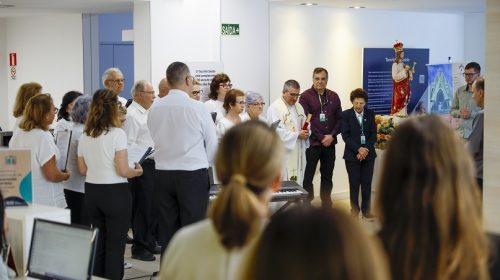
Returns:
(290, 129)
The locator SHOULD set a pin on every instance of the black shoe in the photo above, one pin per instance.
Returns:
(155, 249)
(145, 256)
(129, 239)
(368, 217)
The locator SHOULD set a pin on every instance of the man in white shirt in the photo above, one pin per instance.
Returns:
(185, 144)
(112, 79)
(292, 118)
(143, 210)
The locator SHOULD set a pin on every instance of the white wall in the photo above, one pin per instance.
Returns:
(246, 57)
(4, 96)
(184, 31)
(49, 51)
(305, 37)
(142, 41)
(474, 39)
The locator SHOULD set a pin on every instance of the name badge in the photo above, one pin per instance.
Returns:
(322, 117)
(363, 140)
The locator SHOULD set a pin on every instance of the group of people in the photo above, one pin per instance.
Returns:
(169, 190)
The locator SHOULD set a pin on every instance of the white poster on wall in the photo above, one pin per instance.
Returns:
(204, 72)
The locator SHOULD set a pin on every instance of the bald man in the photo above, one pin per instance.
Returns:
(163, 88)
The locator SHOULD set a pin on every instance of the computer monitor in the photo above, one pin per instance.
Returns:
(5, 138)
(61, 251)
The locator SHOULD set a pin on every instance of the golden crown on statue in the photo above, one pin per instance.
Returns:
(398, 47)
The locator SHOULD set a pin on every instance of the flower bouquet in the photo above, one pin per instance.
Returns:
(385, 127)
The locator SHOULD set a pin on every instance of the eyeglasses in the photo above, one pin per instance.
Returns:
(259, 104)
(117, 81)
(150, 92)
(295, 95)
(197, 92)
(226, 85)
(469, 74)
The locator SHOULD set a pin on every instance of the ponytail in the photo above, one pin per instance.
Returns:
(236, 212)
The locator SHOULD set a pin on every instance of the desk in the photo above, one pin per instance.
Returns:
(20, 221)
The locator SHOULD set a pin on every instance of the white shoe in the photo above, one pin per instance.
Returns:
(127, 265)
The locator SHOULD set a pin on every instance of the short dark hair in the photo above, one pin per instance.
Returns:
(290, 84)
(359, 93)
(319, 70)
(214, 85)
(474, 65)
(230, 98)
(68, 98)
(176, 73)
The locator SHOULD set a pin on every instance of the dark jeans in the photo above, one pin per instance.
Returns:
(110, 208)
(360, 173)
(142, 189)
(76, 203)
(326, 157)
(182, 200)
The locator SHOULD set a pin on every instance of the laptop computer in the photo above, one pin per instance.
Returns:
(61, 251)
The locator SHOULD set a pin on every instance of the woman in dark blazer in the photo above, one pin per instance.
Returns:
(359, 132)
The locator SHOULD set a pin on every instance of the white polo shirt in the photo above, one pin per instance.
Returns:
(136, 126)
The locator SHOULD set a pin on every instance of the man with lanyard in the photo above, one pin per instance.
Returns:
(325, 108)
(295, 138)
(463, 108)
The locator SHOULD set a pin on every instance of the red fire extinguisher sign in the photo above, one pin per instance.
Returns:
(12, 59)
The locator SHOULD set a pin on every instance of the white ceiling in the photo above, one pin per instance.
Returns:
(33, 7)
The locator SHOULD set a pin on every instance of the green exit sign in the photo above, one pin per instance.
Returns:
(230, 29)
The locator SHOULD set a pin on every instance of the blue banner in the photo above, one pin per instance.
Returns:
(377, 77)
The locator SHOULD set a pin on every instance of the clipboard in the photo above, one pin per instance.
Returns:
(138, 154)
(63, 140)
(275, 124)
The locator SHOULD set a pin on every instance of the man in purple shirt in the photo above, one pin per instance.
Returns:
(324, 106)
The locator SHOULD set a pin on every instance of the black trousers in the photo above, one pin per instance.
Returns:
(76, 203)
(326, 157)
(142, 189)
(110, 208)
(360, 174)
(182, 199)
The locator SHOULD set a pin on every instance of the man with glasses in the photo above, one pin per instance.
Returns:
(185, 144)
(295, 138)
(463, 108)
(324, 106)
(113, 80)
(142, 187)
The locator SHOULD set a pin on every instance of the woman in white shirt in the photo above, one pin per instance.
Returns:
(248, 164)
(103, 159)
(24, 93)
(74, 190)
(63, 116)
(219, 86)
(234, 104)
(254, 107)
(33, 134)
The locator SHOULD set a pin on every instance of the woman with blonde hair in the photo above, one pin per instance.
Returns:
(429, 205)
(248, 164)
(34, 134)
(103, 159)
(310, 243)
(24, 93)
